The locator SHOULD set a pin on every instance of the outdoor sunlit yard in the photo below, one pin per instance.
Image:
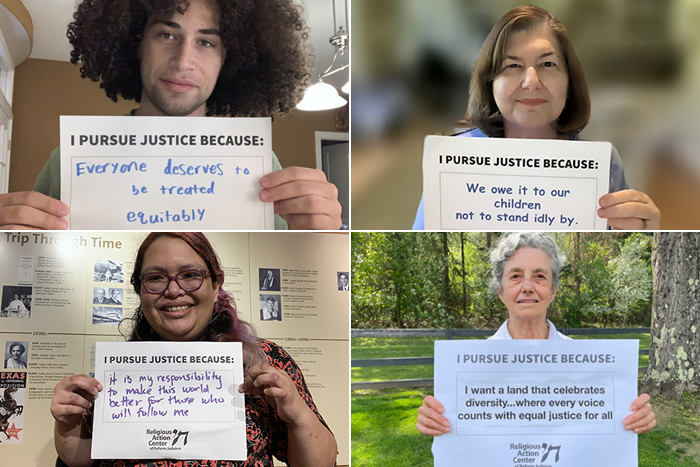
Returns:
(383, 421)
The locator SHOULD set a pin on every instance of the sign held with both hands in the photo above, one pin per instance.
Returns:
(156, 173)
(536, 403)
(514, 184)
(175, 400)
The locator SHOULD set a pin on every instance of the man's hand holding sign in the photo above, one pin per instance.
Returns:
(303, 197)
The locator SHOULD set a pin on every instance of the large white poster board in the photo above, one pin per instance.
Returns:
(158, 173)
(178, 400)
(536, 403)
(514, 184)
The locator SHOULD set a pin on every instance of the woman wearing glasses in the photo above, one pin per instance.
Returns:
(179, 281)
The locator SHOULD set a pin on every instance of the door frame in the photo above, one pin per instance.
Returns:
(327, 136)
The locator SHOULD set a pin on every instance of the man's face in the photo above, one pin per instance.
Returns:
(100, 294)
(115, 294)
(16, 297)
(269, 274)
(270, 305)
(343, 280)
(181, 58)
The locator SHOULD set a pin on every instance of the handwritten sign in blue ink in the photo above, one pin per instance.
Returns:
(162, 172)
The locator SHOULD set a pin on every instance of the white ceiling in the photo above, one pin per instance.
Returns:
(51, 18)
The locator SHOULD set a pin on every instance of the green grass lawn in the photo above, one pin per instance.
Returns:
(390, 347)
(383, 421)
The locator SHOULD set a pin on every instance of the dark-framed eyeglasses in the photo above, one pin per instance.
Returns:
(188, 280)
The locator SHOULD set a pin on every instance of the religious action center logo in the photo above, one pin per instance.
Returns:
(184, 435)
(535, 455)
(167, 439)
(549, 449)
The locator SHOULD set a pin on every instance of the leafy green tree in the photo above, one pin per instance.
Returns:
(631, 282)
(441, 279)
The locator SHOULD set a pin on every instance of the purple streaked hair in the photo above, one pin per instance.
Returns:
(225, 324)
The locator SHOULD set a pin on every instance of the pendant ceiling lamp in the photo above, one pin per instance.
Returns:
(323, 96)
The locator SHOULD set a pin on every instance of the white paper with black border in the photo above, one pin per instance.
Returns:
(491, 428)
(192, 173)
(182, 403)
(544, 184)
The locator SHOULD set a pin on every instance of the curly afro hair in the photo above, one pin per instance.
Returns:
(267, 64)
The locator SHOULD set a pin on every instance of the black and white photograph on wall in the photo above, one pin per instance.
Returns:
(16, 301)
(106, 315)
(109, 271)
(270, 308)
(16, 355)
(100, 297)
(343, 281)
(116, 297)
(269, 279)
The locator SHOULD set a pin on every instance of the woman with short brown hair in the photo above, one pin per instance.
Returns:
(527, 82)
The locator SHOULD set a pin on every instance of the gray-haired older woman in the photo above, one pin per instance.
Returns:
(526, 268)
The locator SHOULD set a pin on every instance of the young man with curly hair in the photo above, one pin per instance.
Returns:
(238, 58)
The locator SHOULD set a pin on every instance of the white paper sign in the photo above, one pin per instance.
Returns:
(176, 400)
(514, 184)
(156, 173)
(536, 403)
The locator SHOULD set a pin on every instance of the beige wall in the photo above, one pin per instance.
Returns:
(45, 89)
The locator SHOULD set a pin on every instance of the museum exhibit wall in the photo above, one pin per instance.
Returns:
(58, 277)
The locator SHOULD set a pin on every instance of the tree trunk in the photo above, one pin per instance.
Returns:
(399, 269)
(464, 276)
(577, 262)
(674, 352)
(490, 312)
(445, 270)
